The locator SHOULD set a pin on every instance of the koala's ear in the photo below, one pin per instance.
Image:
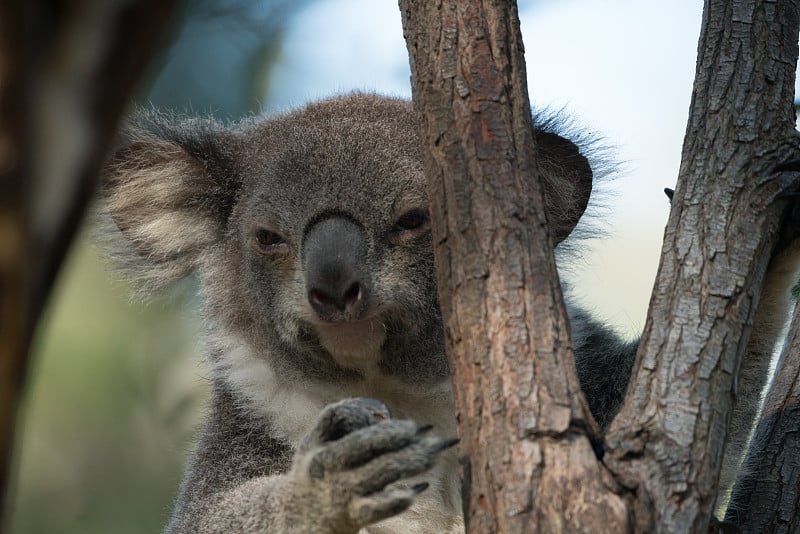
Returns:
(170, 189)
(567, 181)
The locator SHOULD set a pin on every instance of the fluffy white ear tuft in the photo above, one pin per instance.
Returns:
(169, 190)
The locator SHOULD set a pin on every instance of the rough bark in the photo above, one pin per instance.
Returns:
(766, 498)
(66, 73)
(666, 444)
(528, 464)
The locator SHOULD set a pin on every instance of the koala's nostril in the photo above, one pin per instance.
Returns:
(332, 300)
(319, 299)
(352, 295)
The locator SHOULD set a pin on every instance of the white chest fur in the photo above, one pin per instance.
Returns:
(292, 408)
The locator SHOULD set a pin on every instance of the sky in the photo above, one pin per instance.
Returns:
(623, 69)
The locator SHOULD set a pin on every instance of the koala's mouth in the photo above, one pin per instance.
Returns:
(354, 344)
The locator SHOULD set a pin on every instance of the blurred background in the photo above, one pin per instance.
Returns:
(117, 387)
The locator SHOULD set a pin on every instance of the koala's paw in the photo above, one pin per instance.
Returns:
(354, 461)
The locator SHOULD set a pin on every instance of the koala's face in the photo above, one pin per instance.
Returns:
(309, 231)
(332, 238)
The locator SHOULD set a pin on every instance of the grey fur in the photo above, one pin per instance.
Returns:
(296, 339)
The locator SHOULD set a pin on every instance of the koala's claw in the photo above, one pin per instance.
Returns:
(793, 192)
(790, 229)
(790, 225)
(446, 444)
(788, 166)
(424, 428)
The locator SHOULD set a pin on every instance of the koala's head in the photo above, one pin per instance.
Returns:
(309, 231)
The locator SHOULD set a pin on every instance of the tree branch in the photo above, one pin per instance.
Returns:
(721, 231)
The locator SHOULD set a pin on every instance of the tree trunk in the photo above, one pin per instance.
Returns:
(528, 464)
(766, 498)
(666, 443)
(66, 74)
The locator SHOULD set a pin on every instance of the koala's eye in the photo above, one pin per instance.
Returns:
(411, 220)
(268, 240)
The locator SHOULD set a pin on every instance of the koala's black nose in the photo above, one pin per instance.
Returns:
(334, 254)
(327, 298)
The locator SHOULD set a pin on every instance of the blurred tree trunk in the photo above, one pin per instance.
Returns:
(66, 73)
(527, 461)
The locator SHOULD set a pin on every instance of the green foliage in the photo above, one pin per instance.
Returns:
(113, 398)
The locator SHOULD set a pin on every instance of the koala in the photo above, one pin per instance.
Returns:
(309, 234)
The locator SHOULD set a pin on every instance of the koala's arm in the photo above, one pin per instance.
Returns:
(234, 475)
(346, 474)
